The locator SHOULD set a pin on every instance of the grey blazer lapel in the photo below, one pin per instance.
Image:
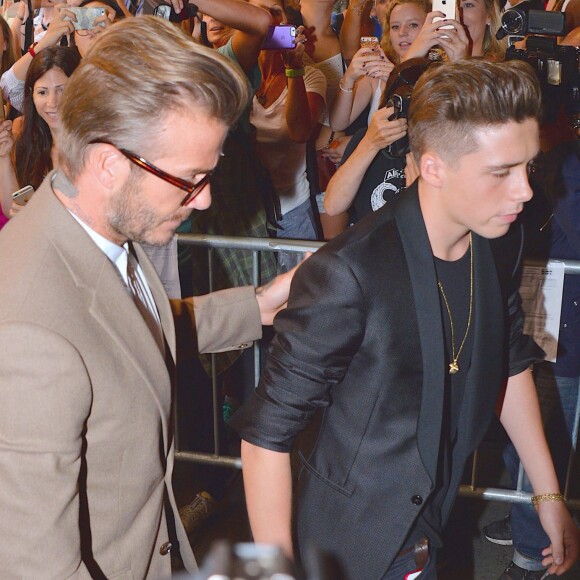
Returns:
(426, 297)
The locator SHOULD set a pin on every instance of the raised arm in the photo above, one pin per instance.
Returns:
(344, 184)
(357, 23)
(303, 108)
(251, 25)
(521, 418)
(8, 182)
(356, 88)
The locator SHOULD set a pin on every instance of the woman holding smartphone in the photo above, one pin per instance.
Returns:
(33, 154)
(285, 111)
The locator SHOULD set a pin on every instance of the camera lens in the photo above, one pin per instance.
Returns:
(512, 21)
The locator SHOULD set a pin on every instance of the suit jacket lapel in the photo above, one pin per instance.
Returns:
(107, 298)
(426, 297)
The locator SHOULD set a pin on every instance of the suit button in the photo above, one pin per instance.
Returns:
(417, 500)
(165, 548)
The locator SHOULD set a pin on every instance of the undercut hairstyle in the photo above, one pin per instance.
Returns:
(33, 146)
(135, 75)
(452, 101)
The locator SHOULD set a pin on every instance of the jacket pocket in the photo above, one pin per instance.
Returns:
(322, 478)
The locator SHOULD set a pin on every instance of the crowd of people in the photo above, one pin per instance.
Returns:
(406, 146)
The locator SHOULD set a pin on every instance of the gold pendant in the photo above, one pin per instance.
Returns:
(453, 368)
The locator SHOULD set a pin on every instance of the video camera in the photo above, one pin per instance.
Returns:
(556, 65)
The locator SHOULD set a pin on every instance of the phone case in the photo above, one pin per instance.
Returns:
(448, 7)
(369, 42)
(280, 37)
(85, 16)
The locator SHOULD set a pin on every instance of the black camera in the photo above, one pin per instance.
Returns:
(522, 20)
(401, 105)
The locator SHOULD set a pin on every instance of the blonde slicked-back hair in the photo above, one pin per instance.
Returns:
(386, 38)
(451, 101)
(134, 75)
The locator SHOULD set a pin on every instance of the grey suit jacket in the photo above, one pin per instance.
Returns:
(86, 443)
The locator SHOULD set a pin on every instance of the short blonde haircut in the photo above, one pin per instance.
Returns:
(132, 78)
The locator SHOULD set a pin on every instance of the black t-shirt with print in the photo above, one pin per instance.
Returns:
(383, 180)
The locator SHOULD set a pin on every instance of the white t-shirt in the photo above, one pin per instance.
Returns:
(285, 159)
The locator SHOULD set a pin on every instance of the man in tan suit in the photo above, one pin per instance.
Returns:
(87, 335)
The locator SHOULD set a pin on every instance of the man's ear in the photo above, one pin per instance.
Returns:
(432, 169)
(108, 166)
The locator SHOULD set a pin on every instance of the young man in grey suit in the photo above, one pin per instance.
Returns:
(401, 333)
(87, 335)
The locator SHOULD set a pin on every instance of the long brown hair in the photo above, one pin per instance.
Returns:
(8, 55)
(33, 145)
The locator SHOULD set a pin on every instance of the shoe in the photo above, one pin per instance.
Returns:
(514, 572)
(499, 532)
(194, 514)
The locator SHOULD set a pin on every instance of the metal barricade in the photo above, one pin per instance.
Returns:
(257, 245)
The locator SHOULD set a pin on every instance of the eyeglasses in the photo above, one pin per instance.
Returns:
(192, 189)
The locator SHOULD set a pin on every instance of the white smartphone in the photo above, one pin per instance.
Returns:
(448, 7)
(22, 196)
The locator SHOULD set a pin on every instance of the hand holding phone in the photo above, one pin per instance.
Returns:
(85, 17)
(281, 37)
(449, 8)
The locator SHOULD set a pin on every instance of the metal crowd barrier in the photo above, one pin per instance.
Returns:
(257, 245)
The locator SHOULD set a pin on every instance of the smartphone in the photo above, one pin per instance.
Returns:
(85, 17)
(2, 113)
(167, 12)
(282, 37)
(448, 7)
(22, 196)
(369, 42)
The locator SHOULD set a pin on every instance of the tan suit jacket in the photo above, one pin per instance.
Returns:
(86, 443)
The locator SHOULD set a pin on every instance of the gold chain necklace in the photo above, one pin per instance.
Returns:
(262, 96)
(453, 366)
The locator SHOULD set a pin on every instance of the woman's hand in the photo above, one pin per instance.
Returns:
(431, 34)
(335, 149)
(382, 132)
(6, 138)
(370, 62)
(293, 58)
(57, 28)
(454, 41)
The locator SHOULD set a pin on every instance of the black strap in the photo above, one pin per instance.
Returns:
(29, 28)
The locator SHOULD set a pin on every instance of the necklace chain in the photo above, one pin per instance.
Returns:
(262, 96)
(453, 366)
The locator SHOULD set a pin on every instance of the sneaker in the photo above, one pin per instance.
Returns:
(499, 532)
(194, 514)
(514, 572)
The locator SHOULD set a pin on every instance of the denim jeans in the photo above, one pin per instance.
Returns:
(558, 397)
(299, 224)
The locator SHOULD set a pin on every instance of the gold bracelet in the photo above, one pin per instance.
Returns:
(536, 499)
